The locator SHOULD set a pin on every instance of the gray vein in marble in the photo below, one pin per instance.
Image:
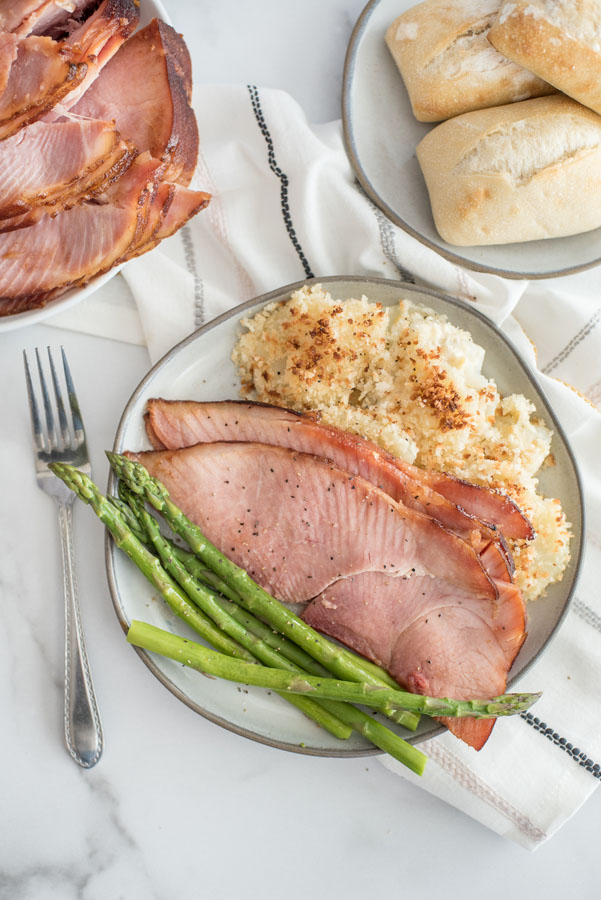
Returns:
(109, 843)
(15, 608)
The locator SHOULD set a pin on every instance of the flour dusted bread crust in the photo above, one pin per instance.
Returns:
(559, 40)
(447, 63)
(519, 172)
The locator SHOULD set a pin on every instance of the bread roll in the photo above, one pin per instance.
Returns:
(448, 65)
(560, 40)
(520, 172)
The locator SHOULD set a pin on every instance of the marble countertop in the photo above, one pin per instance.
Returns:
(178, 806)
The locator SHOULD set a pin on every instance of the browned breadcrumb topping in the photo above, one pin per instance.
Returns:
(441, 397)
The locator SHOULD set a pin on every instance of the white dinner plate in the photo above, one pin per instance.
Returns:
(200, 368)
(381, 135)
(149, 9)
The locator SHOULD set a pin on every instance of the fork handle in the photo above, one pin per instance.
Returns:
(83, 730)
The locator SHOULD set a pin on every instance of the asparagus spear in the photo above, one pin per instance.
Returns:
(129, 517)
(378, 697)
(189, 653)
(374, 731)
(176, 599)
(339, 661)
(218, 608)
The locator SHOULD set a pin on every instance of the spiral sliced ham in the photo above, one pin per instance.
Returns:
(155, 111)
(43, 16)
(380, 577)
(14, 12)
(72, 205)
(78, 243)
(41, 75)
(87, 240)
(98, 39)
(9, 45)
(67, 162)
(46, 72)
(170, 207)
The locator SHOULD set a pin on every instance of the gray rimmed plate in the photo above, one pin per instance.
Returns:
(200, 368)
(381, 135)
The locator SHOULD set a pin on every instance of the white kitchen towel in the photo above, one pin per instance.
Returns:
(286, 207)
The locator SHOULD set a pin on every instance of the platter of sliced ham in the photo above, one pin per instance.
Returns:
(406, 566)
(91, 174)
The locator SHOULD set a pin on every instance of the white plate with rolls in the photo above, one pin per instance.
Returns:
(381, 136)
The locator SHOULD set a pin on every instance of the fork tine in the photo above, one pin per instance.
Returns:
(78, 429)
(62, 418)
(36, 422)
(52, 438)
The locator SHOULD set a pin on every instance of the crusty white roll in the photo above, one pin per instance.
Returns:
(559, 40)
(519, 172)
(448, 65)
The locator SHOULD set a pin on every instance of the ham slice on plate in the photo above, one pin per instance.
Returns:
(302, 506)
(174, 424)
(376, 572)
(67, 162)
(145, 89)
(179, 423)
(431, 639)
(486, 504)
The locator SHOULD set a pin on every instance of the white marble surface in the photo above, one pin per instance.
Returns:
(178, 806)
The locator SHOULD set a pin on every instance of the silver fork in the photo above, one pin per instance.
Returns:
(66, 443)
